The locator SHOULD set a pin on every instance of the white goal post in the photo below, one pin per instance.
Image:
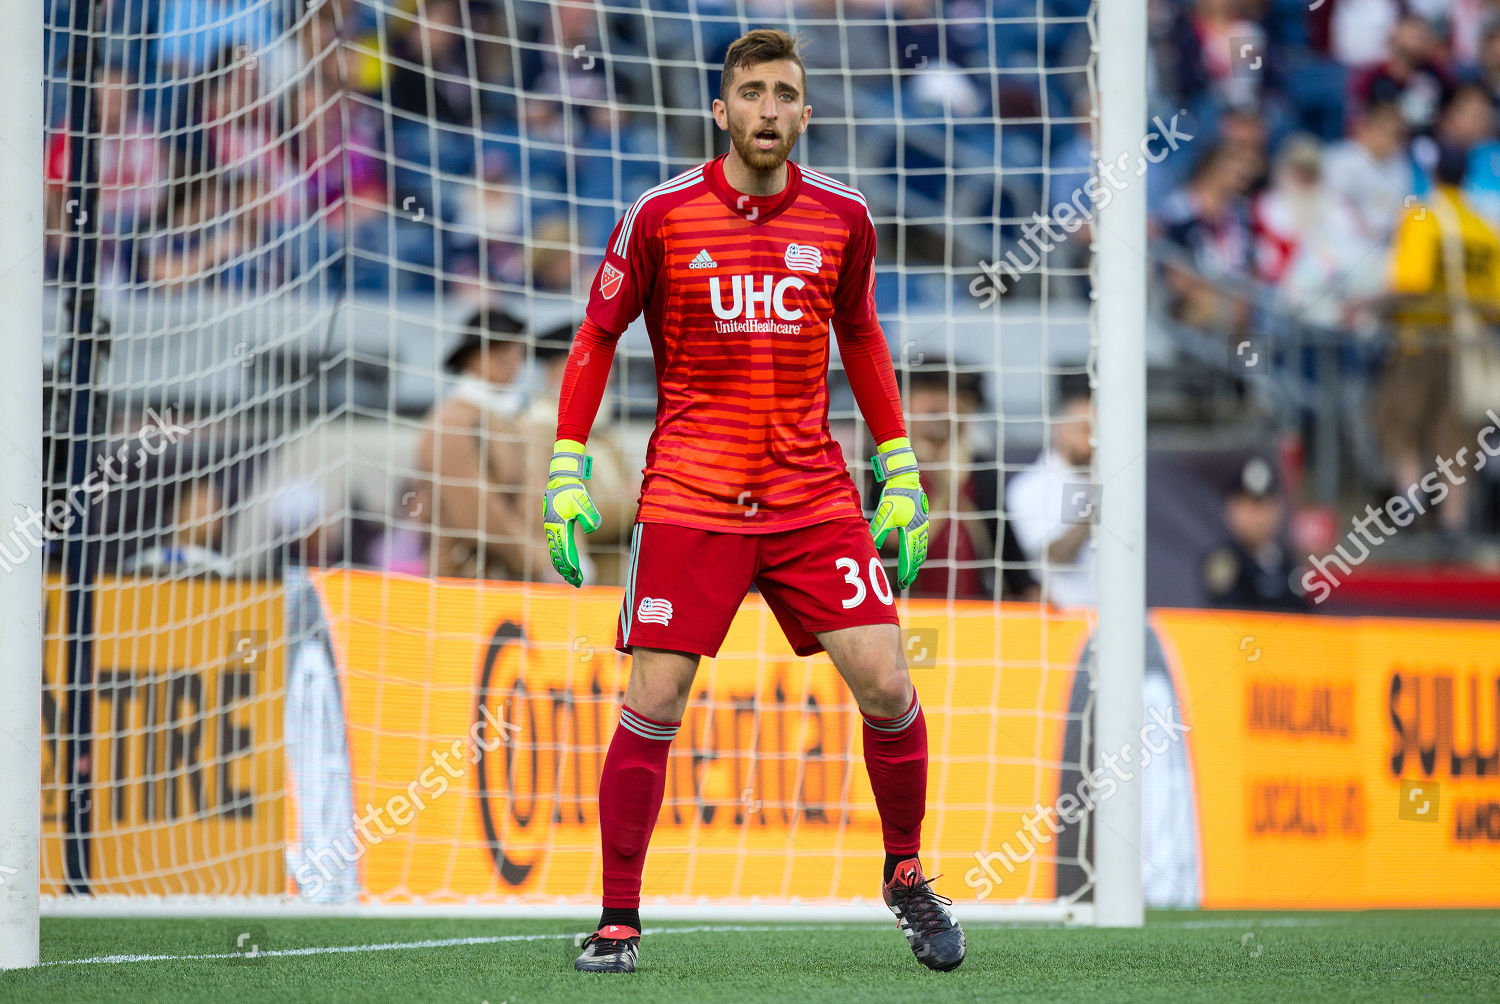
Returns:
(21, 481)
(1120, 463)
(282, 317)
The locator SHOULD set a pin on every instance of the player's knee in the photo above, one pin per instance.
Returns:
(659, 703)
(887, 694)
(660, 699)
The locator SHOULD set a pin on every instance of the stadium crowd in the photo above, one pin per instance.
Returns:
(1336, 219)
(482, 139)
(1343, 159)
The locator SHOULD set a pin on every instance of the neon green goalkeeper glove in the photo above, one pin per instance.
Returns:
(903, 507)
(566, 501)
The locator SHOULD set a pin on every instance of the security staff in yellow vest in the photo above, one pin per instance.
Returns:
(1445, 285)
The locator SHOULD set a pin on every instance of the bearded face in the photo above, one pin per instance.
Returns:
(764, 113)
(763, 144)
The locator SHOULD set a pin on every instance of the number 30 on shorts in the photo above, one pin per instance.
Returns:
(878, 582)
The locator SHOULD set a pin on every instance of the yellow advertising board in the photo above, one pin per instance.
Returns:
(1331, 762)
(766, 796)
(1341, 762)
(187, 764)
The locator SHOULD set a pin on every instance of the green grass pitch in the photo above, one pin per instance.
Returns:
(1200, 956)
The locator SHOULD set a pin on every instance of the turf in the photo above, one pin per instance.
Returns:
(1177, 956)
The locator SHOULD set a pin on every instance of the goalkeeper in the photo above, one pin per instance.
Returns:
(741, 265)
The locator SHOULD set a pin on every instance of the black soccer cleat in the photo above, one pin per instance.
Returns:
(935, 937)
(611, 949)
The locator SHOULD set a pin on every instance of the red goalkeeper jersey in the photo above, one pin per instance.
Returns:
(738, 294)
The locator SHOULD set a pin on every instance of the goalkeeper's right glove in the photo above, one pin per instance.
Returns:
(566, 501)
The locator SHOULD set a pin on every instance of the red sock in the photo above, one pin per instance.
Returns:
(896, 757)
(631, 787)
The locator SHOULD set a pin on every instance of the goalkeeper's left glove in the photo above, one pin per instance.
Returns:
(903, 507)
(565, 502)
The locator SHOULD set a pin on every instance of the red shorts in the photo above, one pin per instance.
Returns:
(685, 585)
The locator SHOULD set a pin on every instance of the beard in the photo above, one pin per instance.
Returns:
(742, 137)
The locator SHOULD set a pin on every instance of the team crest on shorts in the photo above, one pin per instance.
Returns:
(654, 611)
(609, 281)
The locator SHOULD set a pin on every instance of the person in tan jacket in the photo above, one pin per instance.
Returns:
(470, 484)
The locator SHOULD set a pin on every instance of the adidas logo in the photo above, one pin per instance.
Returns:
(703, 261)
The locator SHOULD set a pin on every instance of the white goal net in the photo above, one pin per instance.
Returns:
(311, 267)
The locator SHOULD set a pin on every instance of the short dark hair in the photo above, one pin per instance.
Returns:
(1381, 107)
(555, 342)
(939, 375)
(1467, 89)
(1208, 162)
(1071, 389)
(488, 325)
(1452, 165)
(763, 45)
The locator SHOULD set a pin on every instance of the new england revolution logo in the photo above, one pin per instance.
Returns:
(654, 611)
(803, 258)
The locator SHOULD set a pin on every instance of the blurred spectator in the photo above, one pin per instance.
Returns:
(1466, 121)
(1244, 134)
(1208, 225)
(1486, 72)
(292, 514)
(1252, 568)
(332, 104)
(332, 142)
(1468, 117)
(131, 166)
(1445, 285)
(1310, 244)
(305, 525)
(1372, 171)
(561, 57)
(490, 218)
(192, 544)
(1360, 30)
(1413, 75)
(961, 545)
(1463, 23)
(170, 517)
(552, 263)
(240, 128)
(431, 74)
(1208, 50)
(471, 457)
(1048, 504)
(210, 230)
(191, 33)
(487, 360)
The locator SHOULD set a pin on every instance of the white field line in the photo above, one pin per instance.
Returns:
(498, 939)
(392, 946)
